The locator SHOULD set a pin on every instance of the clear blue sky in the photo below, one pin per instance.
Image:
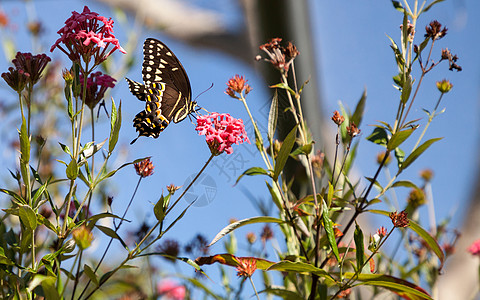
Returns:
(353, 53)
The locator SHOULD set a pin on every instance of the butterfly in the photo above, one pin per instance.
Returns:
(166, 90)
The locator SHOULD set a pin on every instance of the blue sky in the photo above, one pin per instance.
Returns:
(353, 53)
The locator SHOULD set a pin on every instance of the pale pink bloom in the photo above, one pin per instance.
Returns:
(221, 132)
(474, 248)
(171, 290)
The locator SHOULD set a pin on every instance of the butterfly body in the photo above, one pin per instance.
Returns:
(166, 90)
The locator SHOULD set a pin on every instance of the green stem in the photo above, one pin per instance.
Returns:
(253, 286)
(430, 119)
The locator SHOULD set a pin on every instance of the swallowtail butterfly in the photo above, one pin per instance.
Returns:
(166, 90)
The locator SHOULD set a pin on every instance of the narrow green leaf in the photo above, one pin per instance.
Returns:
(244, 222)
(415, 154)
(405, 183)
(397, 5)
(275, 195)
(253, 171)
(90, 274)
(273, 116)
(379, 136)
(72, 170)
(427, 8)
(18, 199)
(301, 267)
(111, 233)
(430, 240)
(283, 293)
(328, 224)
(399, 137)
(65, 149)
(48, 285)
(93, 219)
(359, 109)
(359, 246)
(285, 87)
(400, 156)
(24, 143)
(284, 152)
(115, 124)
(28, 217)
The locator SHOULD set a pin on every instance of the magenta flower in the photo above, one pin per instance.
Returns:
(97, 84)
(16, 79)
(474, 248)
(171, 290)
(31, 64)
(87, 35)
(221, 132)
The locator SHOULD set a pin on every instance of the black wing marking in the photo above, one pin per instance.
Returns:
(137, 89)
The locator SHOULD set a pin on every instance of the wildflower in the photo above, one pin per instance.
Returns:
(16, 79)
(276, 148)
(246, 267)
(83, 237)
(337, 118)
(97, 84)
(170, 248)
(266, 234)
(410, 31)
(399, 219)
(31, 64)
(416, 198)
(67, 76)
(35, 28)
(426, 174)
(237, 84)
(452, 60)
(172, 188)
(353, 130)
(434, 30)
(171, 290)
(144, 168)
(3, 19)
(382, 232)
(251, 237)
(279, 56)
(221, 132)
(444, 86)
(86, 35)
(474, 248)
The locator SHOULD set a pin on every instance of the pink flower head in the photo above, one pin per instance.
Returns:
(87, 35)
(31, 64)
(474, 248)
(221, 131)
(171, 290)
(97, 84)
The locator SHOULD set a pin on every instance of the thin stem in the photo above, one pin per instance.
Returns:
(68, 277)
(253, 286)
(430, 119)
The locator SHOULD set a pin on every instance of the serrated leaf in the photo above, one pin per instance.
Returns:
(284, 152)
(379, 136)
(399, 137)
(28, 217)
(415, 154)
(253, 171)
(241, 223)
(273, 117)
(90, 274)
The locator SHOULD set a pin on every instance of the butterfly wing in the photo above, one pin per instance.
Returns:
(137, 89)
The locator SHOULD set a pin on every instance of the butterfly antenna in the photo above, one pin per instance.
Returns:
(203, 92)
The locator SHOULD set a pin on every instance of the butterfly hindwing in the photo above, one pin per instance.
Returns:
(166, 90)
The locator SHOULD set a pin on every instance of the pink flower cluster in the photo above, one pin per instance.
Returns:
(474, 248)
(85, 35)
(221, 132)
(97, 84)
(171, 290)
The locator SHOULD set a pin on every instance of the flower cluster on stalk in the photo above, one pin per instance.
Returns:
(246, 267)
(86, 35)
(28, 70)
(399, 219)
(144, 168)
(237, 85)
(221, 132)
(97, 85)
(279, 56)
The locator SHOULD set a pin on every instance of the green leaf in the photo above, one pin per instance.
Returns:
(416, 153)
(115, 124)
(328, 224)
(90, 274)
(18, 199)
(72, 170)
(48, 285)
(66, 149)
(397, 5)
(359, 246)
(253, 171)
(427, 8)
(273, 117)
(4, 260)
(399, 137)
(430, 240)
(285, 87)
(283, 293)
(111, 233)
(406, 89)
(359, 109)
(405, 183)
(400, 156)
(379, 136)
(24, 143)
(93, 219)
(244, 222)
(158, 209)
(403, 288)
(301, 267)
(258, 137)
(284, 152)
(28, 217)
